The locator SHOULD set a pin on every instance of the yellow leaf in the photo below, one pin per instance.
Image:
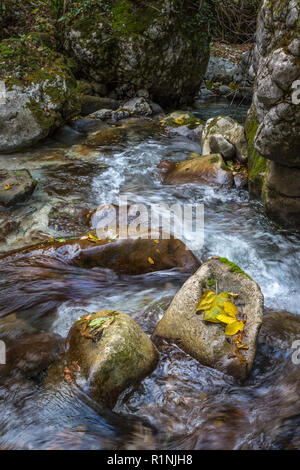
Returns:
(226, 319)
(230, 309)
(212, 304)
(156, 241)
(93, 237)
(150, 260)
(234, 328)
(206, 300)
(7, 187)
(179, 120)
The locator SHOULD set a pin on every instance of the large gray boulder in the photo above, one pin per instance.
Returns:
(273, 124)
(40, 93)
(150, 46)
(106, 353)
(220, 70)
(206, 341)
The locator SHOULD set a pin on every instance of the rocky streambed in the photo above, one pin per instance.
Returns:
(62, 386)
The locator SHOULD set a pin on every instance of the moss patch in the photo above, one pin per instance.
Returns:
(257, 165)
(233, 267)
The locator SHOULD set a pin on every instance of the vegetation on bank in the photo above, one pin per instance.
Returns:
(230, 20)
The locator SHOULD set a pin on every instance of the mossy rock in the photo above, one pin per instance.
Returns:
(41, 92)
(109, 357)
(257, 165)
(181, 118)
(119, 42)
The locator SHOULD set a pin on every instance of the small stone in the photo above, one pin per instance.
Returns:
(15, 186)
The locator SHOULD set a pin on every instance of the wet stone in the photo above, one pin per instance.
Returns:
(15, 186)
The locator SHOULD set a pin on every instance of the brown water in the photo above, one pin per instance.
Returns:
(182, 405)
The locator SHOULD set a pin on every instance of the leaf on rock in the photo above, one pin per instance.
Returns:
(234, 327)
(230, 309)
(97, 322)
(180, 120)
(213, 305)
(218, 309)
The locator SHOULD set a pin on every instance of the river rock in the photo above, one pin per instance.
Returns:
(106, 136)
(241, 181)
(218, 144)
(15, 186)
(273, 122)
(207, 169)
(231, 130)
(205, 341)
(147, 47)
(107, 360)
(133, 255)
(139, 106)
(220, 69)
(41, 92)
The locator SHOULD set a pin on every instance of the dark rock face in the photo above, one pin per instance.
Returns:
(274, 119)
(147, 47)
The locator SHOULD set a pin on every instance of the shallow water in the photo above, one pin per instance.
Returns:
(182, 404)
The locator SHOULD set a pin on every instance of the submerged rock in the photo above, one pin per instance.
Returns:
(205, 341)
(132, 255)
(207, 169)
(106, 136)
(231, 130)
(15, 186)
(106, 353)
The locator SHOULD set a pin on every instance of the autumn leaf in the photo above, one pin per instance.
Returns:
(150, 260)
(180, 120)
(97, 322)
(218, 309)
(93, 237)
(212, 305)
(234, 327)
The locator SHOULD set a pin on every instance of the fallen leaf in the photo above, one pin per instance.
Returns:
(233, 328)
(150, 260)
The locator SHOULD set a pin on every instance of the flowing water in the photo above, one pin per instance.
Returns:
(182, 404)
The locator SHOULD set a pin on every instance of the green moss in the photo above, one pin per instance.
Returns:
(257, 165)
(214, 159)
(130, 20)
(224, 166)
(233, 267)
